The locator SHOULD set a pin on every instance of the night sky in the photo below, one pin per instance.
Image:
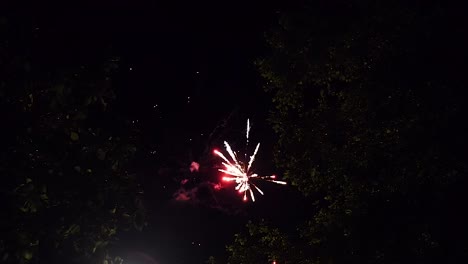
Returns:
(112, 110)
(187, 82)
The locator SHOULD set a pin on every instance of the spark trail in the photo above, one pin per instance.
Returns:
(240, 171)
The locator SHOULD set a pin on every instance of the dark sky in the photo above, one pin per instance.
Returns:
(187, 68)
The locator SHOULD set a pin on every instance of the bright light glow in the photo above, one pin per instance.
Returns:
(228, 179)
(240, 171)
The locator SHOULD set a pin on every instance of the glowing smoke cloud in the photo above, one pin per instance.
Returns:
(240, 172)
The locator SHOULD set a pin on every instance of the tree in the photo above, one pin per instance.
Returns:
(66, 185)
(262, 243)
(368, 113)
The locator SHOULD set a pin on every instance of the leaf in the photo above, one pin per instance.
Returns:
(138, 220)
(80, 116)
(23, 238)
(74, 136)
(99, 244)
(27, 254)
(115, 166)
(44, 197)
(73, 229)
(101, 154)
(112, 231)
(125, 215)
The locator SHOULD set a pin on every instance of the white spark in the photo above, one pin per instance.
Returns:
(248, 129)
(252, 158)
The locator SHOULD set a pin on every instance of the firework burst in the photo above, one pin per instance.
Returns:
(239, 171)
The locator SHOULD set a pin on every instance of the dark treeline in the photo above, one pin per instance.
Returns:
(370, 115)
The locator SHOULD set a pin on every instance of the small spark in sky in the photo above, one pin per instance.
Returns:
(194, 166)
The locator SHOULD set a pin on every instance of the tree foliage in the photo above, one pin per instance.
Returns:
(66, 185)
(270, 244)
(369, 116)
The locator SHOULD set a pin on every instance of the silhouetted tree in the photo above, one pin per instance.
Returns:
(66, 188)
(369, 110)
